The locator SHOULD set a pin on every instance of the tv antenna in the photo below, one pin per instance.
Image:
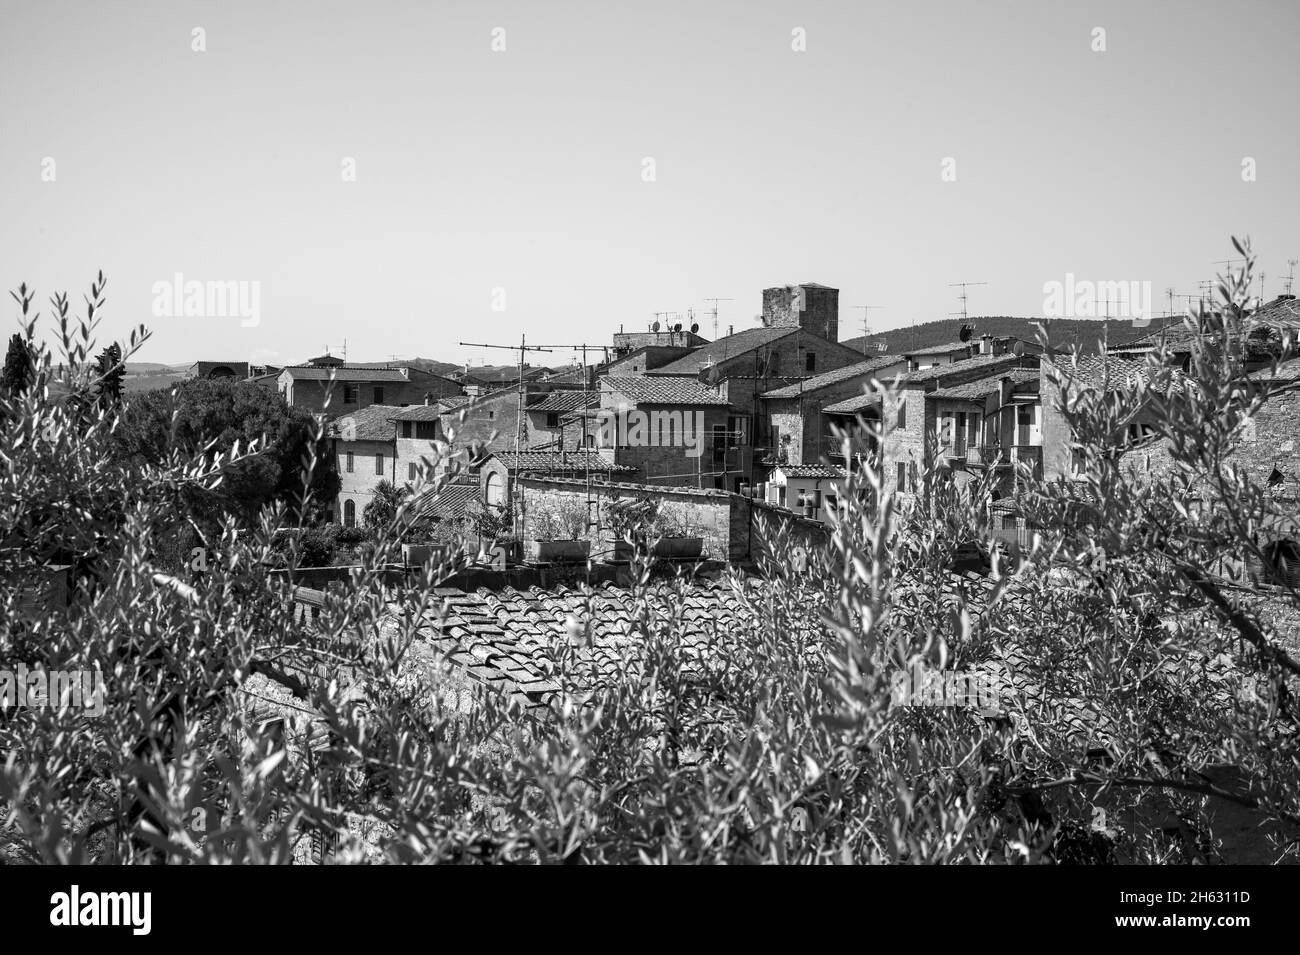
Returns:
(714, 311)
(963, 286)
(1170, 292)
(866, 314)
(522, 347)
(1290, 273)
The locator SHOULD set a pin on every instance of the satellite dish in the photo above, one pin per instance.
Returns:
(677, 327)
(965, 333)
(695, 327)
(655, 326)
(713, 374)
(1018, 349)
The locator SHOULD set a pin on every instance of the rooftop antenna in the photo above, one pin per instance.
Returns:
(866, 314)
(522, 348)
(714, 311)
(963, 286)
(1170, 292)
(1290, 273)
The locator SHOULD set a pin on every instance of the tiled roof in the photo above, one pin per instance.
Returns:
(725, 348)
(810, 470)
(853, 405)
(513, 640)
(835, 377)
(942, 349)
(418, 413)
(983, 387)
(1095, 370)
(927, 375)
(682, 390)
(372, 423)
(651, 489)
(558, 461)
(454, 401)
(1279, 314)
(452, 501)
(345, 373)
(562, 401)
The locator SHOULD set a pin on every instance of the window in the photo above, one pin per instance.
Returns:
(379, 464)
(902, 412)
(491, 415)
(349, 394)
(350, 512)
(406, 429)
(738, 425)
(349, 463)
(552, 419)
(410, 471)
(902, 476)
(379, 396)
(810, 361)
(426, 430)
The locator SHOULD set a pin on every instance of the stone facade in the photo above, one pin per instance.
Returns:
(812, 307)
(357, 388)
(645, 359)
(718, 517)
(370, 462)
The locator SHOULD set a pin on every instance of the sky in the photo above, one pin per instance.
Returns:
(383, 176)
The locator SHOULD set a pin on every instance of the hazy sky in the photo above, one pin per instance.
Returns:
(523, 170)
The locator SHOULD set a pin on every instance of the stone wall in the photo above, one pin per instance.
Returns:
(358, 485)
(709, 513)
(819, 315)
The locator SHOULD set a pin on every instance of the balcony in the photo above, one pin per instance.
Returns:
(995, 455)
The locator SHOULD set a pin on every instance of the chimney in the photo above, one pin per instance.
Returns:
(731, 330)
(986, 344)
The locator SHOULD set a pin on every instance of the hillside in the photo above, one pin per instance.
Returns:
(1063, 332)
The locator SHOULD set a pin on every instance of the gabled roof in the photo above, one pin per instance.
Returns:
(344, 373)
(565, 401)
(723, 349)
(452, 501)
(417, 413)
(661, 390)
(372, 423)
(853, 405)
(941, 349)
(927, 375)
(836, 377)
(552, 461)
(984, 387)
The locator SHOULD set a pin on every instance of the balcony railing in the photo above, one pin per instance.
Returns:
(991, 455)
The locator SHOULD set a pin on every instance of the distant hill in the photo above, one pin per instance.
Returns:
(1063, 332)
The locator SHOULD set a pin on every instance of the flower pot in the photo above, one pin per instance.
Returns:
(417, 554)
(623, 550)
(559, 552)
(679, 548)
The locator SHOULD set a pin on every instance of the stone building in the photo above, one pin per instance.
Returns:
(910, 414)
(812, 307)
(793, 430)
(356, 387)
(670, 430)
(499, 471)
(362, 443)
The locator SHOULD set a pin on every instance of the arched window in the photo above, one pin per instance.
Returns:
(349, 513)
(496, 490)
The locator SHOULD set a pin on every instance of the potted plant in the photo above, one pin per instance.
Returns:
(677, 540)
(630, 519)
(555, 532)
